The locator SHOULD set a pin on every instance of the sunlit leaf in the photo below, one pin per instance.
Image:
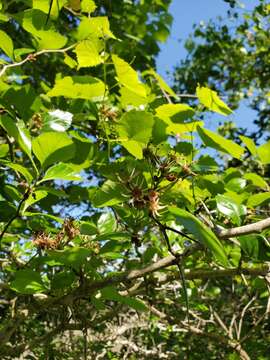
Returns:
(78, 87)
(50, 147)
(177, 113)
(230, 208)
(211, 101)
(200, 232)
(61, 171)
(19, 132)
(249, 144)
(128, 77)
(219, 143)
(87, 52)
(57, 120)
(6, 44)
(258, 199)
(135, 130)
(264, 152)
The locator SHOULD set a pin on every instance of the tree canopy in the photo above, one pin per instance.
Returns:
(121, 235)
(232, 56)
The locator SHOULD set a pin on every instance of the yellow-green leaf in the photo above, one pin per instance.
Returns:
(128, 77)
(200, 232)
(211, 100)
(249, 144)
(264, 153)
(96, 27)
(78, 87)
(258, 199)
(87, 52)
(219, 143)
(6, 44)
(174, 129)
(161, 82)
(135, 131)
(177, 113)
(88, 6)
(51, 147)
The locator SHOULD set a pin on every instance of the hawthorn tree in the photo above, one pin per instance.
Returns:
(120, 236)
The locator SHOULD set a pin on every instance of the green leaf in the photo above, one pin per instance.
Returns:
(161, 82)
(7, 211)
(11, 193)
(106, 223)
(4, 148)
(27, 282)
(87, 52)
(128, 77)
(51, 147)
(175, 129)
(34, 22)
(211, 100)
(63, 280)
(177, 113)
(6, 44)
(236, 184)
(249, 144)
(69, 61)
(256, 180)
(18, 132)
(61, 171)
(74, 256)
(24, 100)
(78, 87)
(228, 207)
(44, 5)
(128, 97)
(57, 120)
(110, 293)
(113, 249)
(20, 169)
(108, 195)
(33, 198)
(94, 28)
(258, 199)
(251, 245)
(264, 153)
(200, 232)
(135, 131)
(219, 143)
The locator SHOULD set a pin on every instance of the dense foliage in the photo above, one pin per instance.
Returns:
(120, 236)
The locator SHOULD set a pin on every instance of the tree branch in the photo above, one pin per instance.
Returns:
(89, 288)
(256, 227)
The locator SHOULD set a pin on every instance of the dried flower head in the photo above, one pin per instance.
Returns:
(154, 206)
(70, 229)
(109, 113)
(45, 242)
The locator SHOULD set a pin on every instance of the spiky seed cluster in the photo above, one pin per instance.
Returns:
(149, 200)
(44, 242)
(154, 205)
(70, 229)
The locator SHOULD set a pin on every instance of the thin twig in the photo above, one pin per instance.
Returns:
(32, 57)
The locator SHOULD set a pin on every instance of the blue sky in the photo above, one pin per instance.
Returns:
(186, 13)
